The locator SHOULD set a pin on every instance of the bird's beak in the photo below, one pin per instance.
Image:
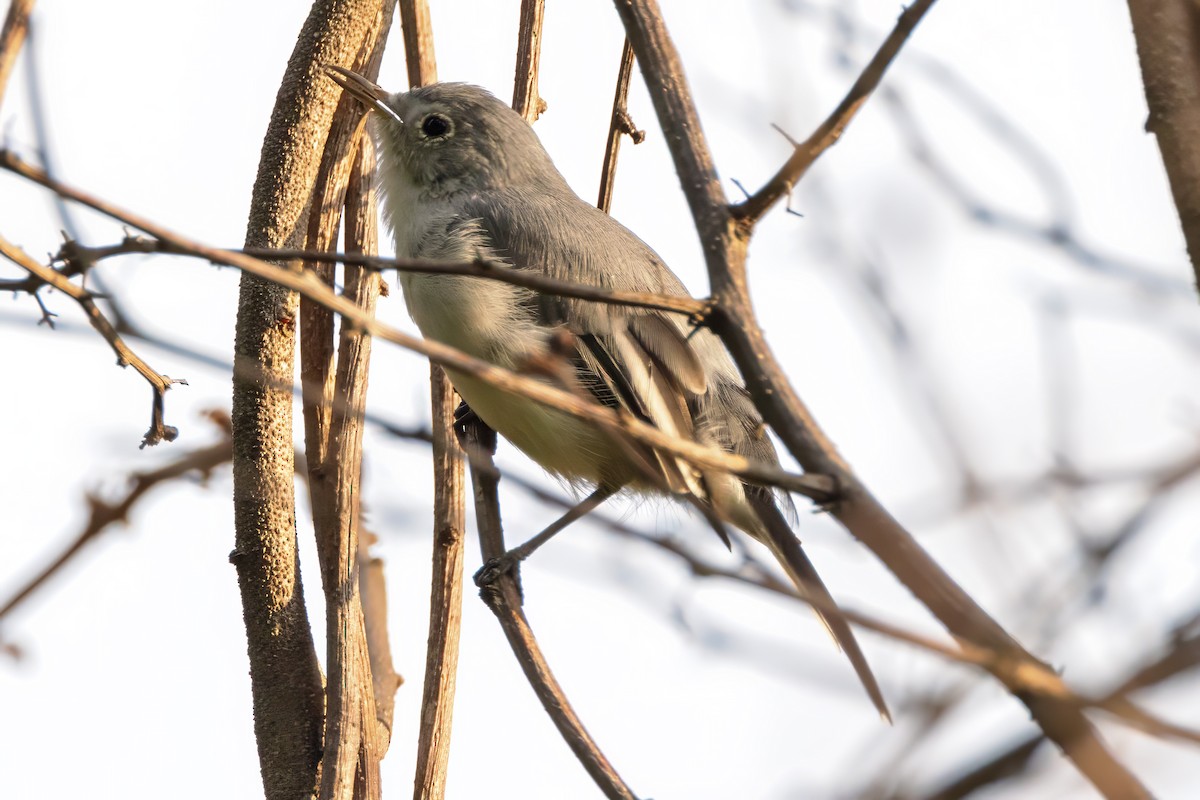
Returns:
(372, 95)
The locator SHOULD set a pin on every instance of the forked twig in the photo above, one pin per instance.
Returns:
(806, 153)
(159, 431)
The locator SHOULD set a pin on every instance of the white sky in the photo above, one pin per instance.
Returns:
(135, 682)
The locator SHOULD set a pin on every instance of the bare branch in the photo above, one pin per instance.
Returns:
(286, 684)
(503, 597)
(678, 304)
(103, 514)
(12, 36)
(621, 124)
(159, 431)
(828, 132)
(1168, 45)
(857, 509)
(815, 486)
(526, 100)
(333, 415)
(449, 508)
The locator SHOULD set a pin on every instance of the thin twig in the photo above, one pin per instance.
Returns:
(679, 304)
(449, 508)
(12, 36)
(749, 211)
(725, 240)
(159, 431)
(492, 270)
(1183, 657)
(620, 124)
(815, 486)
(503, 597)
(526, 100)
(103, 514)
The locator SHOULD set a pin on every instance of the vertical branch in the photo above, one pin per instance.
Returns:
(445, 601)
(352, 744)
(526, 100)
(285, 677)
(12, 36)
(418, 42)
(620, 124)
(503, 597)
(363, 288)
(1168, 45)
(449, 507)
(856, 508)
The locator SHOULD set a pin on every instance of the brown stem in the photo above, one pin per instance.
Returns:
(104, 514)
(419, 56)
(828, 132)
(353, 745)
(285, 678)
(12, 36)
(159, 431)
(619, 124)
(725, 241)
(1168, 44)
(679, 304)
(491, 270)
(449, 509)
(362, 232)
(503, 597)
(526, 100)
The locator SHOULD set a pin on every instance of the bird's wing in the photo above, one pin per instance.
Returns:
(639, 360)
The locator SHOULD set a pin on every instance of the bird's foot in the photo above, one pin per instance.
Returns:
(464, 417)
(495, 568)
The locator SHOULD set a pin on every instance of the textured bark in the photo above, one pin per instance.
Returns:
(725, 240)
(1168, 45)
(285, 678)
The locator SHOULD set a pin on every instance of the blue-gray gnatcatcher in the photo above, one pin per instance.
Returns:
(464, 177)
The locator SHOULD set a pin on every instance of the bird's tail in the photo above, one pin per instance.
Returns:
(784, 545)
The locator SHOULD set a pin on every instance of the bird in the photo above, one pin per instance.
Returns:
(463, 177)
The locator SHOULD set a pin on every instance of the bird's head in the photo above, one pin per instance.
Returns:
(449, 137)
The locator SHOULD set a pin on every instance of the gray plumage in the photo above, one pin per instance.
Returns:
(464, 177)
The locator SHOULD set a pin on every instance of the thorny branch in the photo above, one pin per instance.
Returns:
(806, 153)
(725, 238)
(620, 125)
(815, 486)
(103, 513)
(159, 431)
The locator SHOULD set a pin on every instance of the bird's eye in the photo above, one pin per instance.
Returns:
(435, 125)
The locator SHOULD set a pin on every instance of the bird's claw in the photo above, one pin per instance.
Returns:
(494, 569)
(464, 417)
